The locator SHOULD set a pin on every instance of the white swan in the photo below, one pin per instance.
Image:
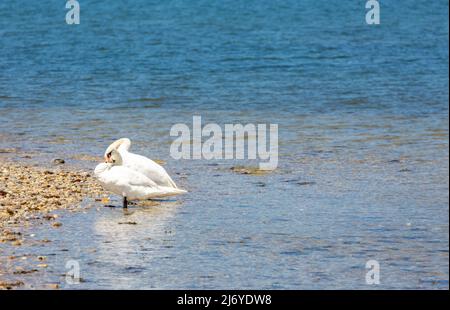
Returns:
(131, 184)
(140, 163)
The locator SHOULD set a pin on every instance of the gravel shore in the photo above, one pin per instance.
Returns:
(26, 191)
(30, 194)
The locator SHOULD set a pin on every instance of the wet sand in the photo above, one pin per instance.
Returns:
(29, 195)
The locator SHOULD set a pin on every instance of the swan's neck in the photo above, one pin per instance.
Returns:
(124, 144)
(121, 145)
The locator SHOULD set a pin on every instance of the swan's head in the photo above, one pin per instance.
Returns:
(123, 143)
(115, 158)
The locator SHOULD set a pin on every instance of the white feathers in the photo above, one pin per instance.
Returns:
(133, 176)
(131, 184)
(140, 163)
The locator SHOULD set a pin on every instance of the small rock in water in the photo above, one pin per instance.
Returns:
(105, 200)
(128, 223)
(10, 285)
(306, 183)
(394, 161)
(50, 216)
(260, 184)
(8, 150)
(58, 161)
(54, 286)
(20, 270)
(249, 170)
(404, 170)
(17, 243)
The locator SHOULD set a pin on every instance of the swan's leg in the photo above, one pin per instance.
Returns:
(125, 202)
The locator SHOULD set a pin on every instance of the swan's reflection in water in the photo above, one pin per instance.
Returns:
(132, 241)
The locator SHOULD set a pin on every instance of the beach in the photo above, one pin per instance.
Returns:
(26, 190)
(29, 195)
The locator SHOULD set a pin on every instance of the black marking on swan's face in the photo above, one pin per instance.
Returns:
(108, 157)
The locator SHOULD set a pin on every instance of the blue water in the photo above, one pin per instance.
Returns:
(363, 128)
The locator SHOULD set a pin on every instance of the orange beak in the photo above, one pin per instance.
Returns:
(108, 158)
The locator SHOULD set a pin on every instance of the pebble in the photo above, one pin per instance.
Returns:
(58, 161)
(54, 286)
(249, 170)
(10, 285)
(9, 150)
(127, 223)
(16, 243)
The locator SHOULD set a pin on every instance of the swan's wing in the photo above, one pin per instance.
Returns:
(135, 185)
(127, 176)
(149, 168)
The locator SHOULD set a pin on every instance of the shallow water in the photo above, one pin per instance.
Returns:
(363, 128)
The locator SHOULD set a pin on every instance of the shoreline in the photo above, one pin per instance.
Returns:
(26, 190)
(30, 195)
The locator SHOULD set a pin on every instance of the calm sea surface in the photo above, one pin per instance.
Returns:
(363, 137)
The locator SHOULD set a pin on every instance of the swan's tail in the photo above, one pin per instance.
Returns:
(175, 191)
(165, 191)
(171, 182)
